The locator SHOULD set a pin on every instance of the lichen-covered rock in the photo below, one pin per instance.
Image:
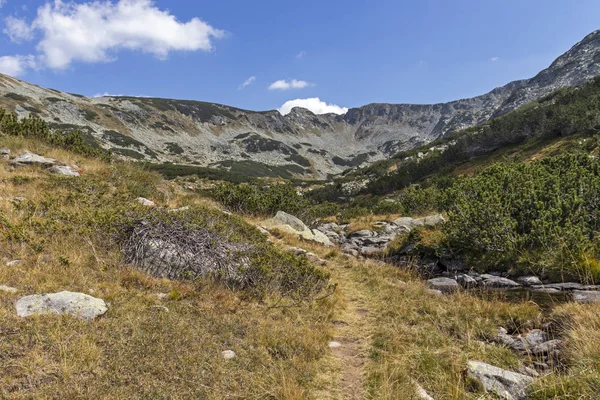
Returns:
(506, 384)
(584, 297)
(283, 218)
(445, 285)
(33, 159)
(76, 304)
(499, 282)
(145, 202)
(63, 170)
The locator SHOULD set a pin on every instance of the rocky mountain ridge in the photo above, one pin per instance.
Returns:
(300, 143)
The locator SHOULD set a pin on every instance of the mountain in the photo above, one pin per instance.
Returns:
(300, 143)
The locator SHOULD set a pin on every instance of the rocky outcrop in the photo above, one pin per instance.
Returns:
(288, 223)
(505, 384)
(75, 304)
(301, 143)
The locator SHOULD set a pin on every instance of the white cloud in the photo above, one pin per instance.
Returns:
(18, 30)
(301, 55)
(3, 2)
(16, 65)
(247, 82)
(289, 84)
(95, 31)
(313, 104)
(494, 59)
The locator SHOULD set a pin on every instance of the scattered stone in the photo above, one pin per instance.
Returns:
(321, 238)
(404, 221)
(161, 296)
(283, 218)
(334, 345)
(529, 280)
(430, 221)
(4, 154)
(312, 257)
(76, 304)
(145, 202)
(159, 308)
(506, 384)
(466, 281)
(182, 209)
(297, 250)
(536, 337)
(546, 348)
(566, 286)
(14, 262)
(445, 285)
(263, 230)
(17, 199)
(8, 289)
(64, 170)
(499, 282)
(586, 297)
(421, 393)
(228, 354)
(33, 159)
(529, 371)
(370, 251)
(362, 234)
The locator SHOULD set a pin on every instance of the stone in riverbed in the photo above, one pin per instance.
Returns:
(505, 384)
(445, 285)
(586, 297)
(529, 280)
(76, 304)
(466, 281)
(499, 282)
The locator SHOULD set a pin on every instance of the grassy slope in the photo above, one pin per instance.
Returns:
(393, 330)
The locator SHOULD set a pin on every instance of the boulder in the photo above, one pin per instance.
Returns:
(404, 221)
(430, 221)
(370, 251)
(283, 218)
(546, 348)
(145, 202)
(321, 238)
(505, 384)
(33, 159)
(64, 170)
(566, 286)
(362, 234)
(466, 281)
(529, 280)
(499, 282)
(76, 304)
(445, 285)
(536, 337)
(586, 297)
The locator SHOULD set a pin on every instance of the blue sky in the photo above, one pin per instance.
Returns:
(347, 53)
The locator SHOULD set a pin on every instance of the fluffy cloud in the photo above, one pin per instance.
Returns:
(313, 104)
(16, 65)
(95, 31)
(247, 82)
(289, 84)
(18, 29)
(494, 59)
(301, 55)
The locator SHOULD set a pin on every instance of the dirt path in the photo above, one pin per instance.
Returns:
(352, 338)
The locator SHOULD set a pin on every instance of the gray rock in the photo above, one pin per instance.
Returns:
(536, 337)
(566, 286)
(546, 348)
(321, 238)
(76, 304)
(586, 297)
(445, 285)
(4, 154)
(313, 258)
(505, 384)
(297, 250)
(370, 251)
(18, 199)
(228, 354)
(283, 218)
(466, 280)
(430, 221)
(529, 280)
(63, 170)
(145, 202)
(517, 344)
(404, 221)
(8, 289)
(14, 262)
(263, 230)
(33, 159)
(362, 234)
(498, 282)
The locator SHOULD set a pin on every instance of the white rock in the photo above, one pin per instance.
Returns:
(8, 289)
(584, 297)
(76, 304)
(506, 384)
(145, 202)
(33, 159)
(64, 170)
(228, 354)
(13, 263)
(334, 345)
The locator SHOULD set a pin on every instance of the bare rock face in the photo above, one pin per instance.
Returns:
(300, 143)
(33, 159)
(76, 304)
(505, 384)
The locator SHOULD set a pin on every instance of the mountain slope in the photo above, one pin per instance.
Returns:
(300, 143)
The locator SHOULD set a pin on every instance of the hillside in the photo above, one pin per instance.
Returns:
(298, 144)
(193, 302)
